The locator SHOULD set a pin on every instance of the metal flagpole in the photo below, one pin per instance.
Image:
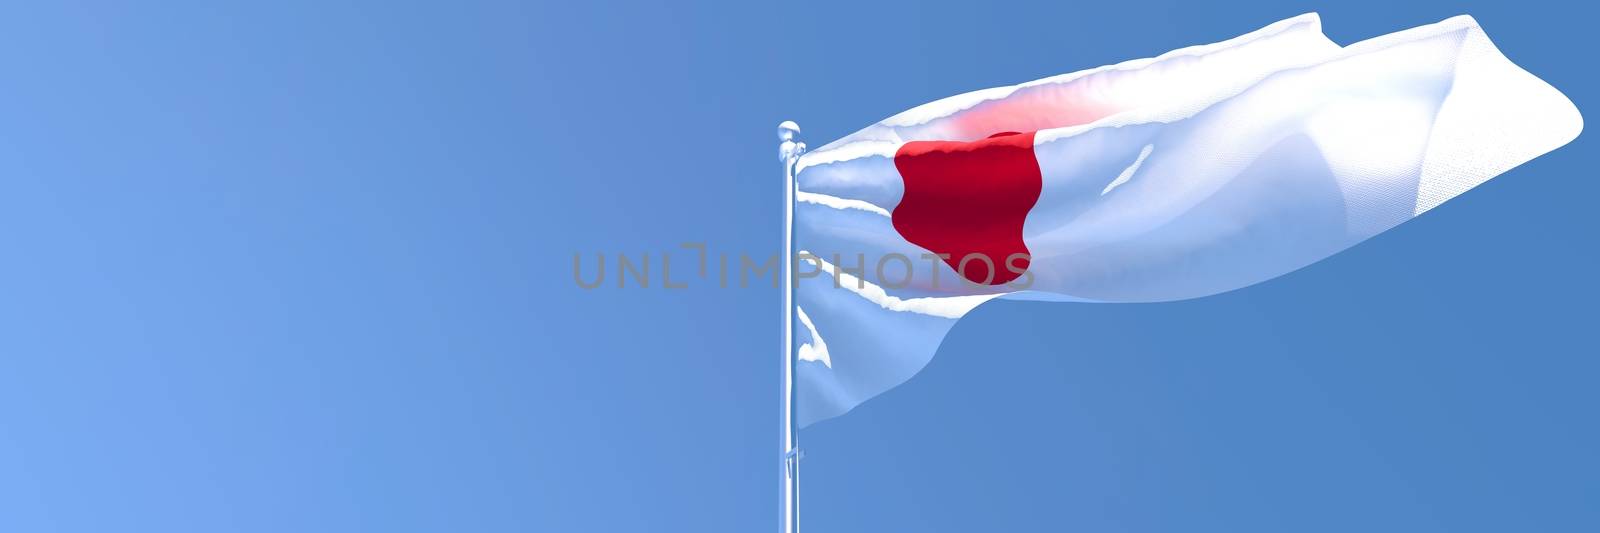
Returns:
(789, 152)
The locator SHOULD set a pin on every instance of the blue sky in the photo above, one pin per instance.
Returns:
(306, 267)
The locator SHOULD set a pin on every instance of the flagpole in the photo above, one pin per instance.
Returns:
(789, 152)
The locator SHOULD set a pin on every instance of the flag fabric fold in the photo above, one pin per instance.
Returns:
(1200, 171)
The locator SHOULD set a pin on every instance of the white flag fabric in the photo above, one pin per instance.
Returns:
(1200, 171)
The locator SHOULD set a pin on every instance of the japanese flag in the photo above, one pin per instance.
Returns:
(1200, 171)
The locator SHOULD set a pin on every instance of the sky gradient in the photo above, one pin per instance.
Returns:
(304, 266)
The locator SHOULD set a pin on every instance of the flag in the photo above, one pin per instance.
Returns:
(1200, 171)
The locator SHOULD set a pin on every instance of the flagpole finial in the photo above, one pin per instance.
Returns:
(791, 147)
